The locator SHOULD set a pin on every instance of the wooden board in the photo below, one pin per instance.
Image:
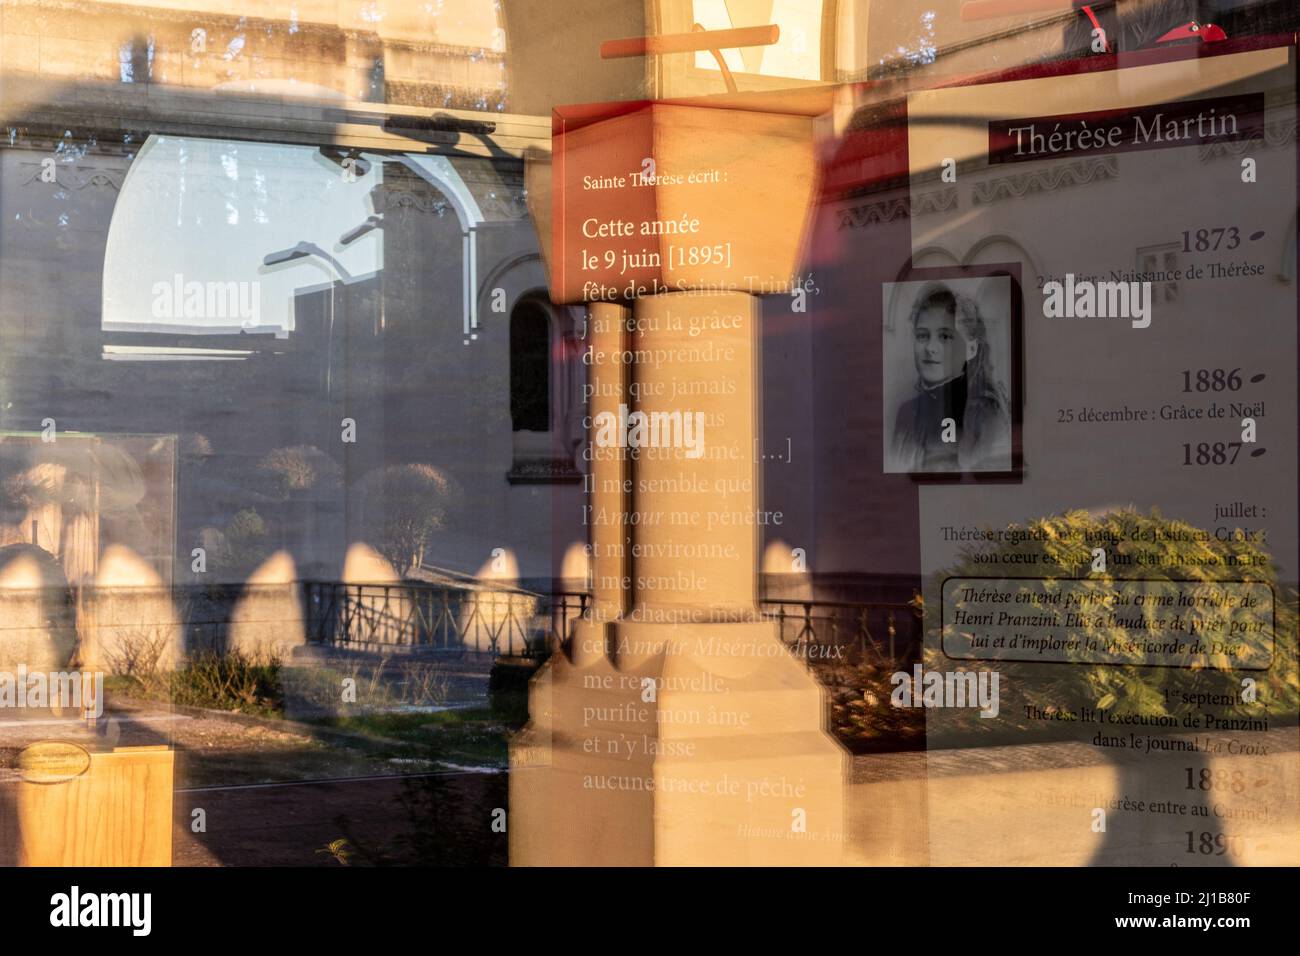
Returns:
(117, 813)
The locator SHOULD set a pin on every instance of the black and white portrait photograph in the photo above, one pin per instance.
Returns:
(949, 390)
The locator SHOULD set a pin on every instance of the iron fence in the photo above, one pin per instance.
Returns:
(491, 621)
(880, 632)
(457, 620)
(452, 619)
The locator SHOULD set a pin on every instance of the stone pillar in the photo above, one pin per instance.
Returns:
(607, 380)
(680, 730)
(700, 528)
(676, 728)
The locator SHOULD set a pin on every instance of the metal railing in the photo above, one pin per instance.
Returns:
(458, 620)
(879, 632)
(413, 615)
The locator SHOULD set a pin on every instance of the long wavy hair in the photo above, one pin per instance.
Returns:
(982, 383)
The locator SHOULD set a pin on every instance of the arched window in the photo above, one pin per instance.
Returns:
(530, 367)
(541, 377)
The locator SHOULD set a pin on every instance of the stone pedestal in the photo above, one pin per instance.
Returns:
(676, 728)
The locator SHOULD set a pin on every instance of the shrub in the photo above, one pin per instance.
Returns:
(380, 686)
(508, 689)
(299, 468)
(230, 681)
(1170, 557)
(246, 539)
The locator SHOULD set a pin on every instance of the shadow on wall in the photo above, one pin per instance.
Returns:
(38, 619)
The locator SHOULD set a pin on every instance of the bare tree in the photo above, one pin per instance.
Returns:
(403, 507)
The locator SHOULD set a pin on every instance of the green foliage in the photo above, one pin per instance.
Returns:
(1173, 559)
(246, 539)
(861, 715)
(249, 683)
(380, 685)
(230, 681)
(339, 850)
(508, 689)
(465, 735)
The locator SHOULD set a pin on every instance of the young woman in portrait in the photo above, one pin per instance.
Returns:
(958, 394)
